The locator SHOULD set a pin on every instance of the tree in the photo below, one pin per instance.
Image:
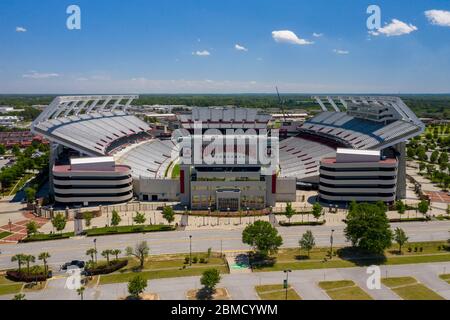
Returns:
(115, 218)
(317, 210)
(20, 258)
(307, 242)
(262, 237)
(422, 166)
(28, 260)
(91, 252)
(400, 207)
(88, 216)
(139, 218)
(59, 222)
(368, 228)
(2, 149)
(30, 194)
(16, 150)
(19, 296)
(136, 286)
(434, 156)
(80, 292)
(116, 253)
(105, 254)
(140, 251)
(210, 278)
(32, 227)
(400, 237)
(423, 207)
(44, 256)
(411, 152)
(168, 214)
(290, 212)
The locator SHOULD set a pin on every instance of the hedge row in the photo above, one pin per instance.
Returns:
(307, 223)
(409, 220)
(105, 269)
(15, 275)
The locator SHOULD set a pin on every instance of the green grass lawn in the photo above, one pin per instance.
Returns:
(344, 290)
(176, 171)
(8, 286)
(409, 289)
(294, 258)
(4, 234)
(128, 229)
(445, 277)
(166, 266)
(276, 292)
(158, 274)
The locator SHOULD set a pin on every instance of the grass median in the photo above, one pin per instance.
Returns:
(344, 290)
(167, 266)
(9, 287)
(276, 292)
(296, 259)
(408, 288)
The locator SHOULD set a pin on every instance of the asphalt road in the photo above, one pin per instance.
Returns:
(62, 251)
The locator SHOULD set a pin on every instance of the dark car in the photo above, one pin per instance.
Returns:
(77, 263)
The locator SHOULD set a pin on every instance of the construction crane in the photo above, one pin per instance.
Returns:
(281, 102)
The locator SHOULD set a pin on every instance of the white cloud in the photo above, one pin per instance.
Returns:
(287, 36)
(337, 51)
(395, 28)
(21, 29)
(317, 35)
(38, 75)
(238, 47)
(438, 17)
(202, 53)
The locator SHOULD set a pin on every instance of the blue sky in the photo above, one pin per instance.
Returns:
(200, 46)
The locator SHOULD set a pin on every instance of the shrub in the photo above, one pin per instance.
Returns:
(22, 276)
(202, 260)
(105, 269)
(186, 260)
(194, 260)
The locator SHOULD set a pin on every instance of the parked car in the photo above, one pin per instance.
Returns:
(77, 263)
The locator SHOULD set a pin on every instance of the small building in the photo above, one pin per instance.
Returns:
(92, 180)
(360, 175)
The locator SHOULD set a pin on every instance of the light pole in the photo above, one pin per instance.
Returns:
(228, 209)
(95, 249)
(190, 250)
(209, 214)
(154, 217)
(221, 248)
(248, 214)
(286, 284)
(331, 244)
(107, 219)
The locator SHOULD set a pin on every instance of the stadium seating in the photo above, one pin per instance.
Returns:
(300, 156)
(149, 159)
(94, 132)
(357, 133)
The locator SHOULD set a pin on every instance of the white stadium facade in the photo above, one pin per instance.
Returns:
(102, 153)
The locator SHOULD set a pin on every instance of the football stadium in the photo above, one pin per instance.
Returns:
(354, 149)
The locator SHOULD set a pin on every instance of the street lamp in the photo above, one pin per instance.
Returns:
(209, 214)
(228, 215)
(331, 244)
(95, 249)
(190, 250)
(286, 284)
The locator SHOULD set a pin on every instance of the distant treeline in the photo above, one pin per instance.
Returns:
(435, 106)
